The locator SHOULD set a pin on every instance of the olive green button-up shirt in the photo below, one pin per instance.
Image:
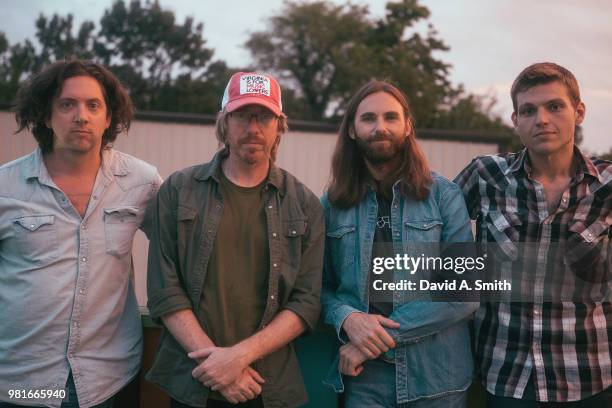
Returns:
(185, 221)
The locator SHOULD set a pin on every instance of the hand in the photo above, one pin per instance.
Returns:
(246, 387)
(368, 333)
(221, 367)
(351, 360)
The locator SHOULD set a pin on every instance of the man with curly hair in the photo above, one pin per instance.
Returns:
(70, 332)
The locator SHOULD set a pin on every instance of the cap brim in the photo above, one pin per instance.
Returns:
(252, 100)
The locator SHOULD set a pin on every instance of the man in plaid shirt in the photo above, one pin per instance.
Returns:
(545, 353)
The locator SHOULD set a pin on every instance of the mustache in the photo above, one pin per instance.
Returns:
(252, 140)
(379, 137)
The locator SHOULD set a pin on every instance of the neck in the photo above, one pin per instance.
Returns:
(380, 171)
(67, 163)
(245, 174)
(559, 164)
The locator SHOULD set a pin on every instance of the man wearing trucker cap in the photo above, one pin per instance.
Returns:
(235, 263)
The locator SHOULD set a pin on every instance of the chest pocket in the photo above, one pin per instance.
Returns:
(120, 225)
(36, 238)
(422, 231)
(341, 243)
(503, 229)
(587, 252)
(293, 232)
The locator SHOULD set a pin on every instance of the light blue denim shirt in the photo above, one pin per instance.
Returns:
(433, 354)
(67, 299)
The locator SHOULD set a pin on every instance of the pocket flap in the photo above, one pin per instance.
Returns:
(294, 228)
(423, 225)
(590, 233)
(503, 221)
(117, 215)
(340, 231)
(185, 213)
(33, 222)
(125, 210)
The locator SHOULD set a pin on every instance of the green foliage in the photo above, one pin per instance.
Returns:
(326, 51)
(322, 52)
(165, 65)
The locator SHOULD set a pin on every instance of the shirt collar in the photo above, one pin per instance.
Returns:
(519, 163)
(112, 164)
(213, 169)
(585, 165)
(34, 167)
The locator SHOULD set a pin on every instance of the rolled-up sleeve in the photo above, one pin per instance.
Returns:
(305, 298)
(165, 289)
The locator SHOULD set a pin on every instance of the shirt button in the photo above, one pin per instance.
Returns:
(84, 226)
(293, 232)
(270, 207)
(271, 296)
(84, 259)
(535, 312)
(275, 265)
(274, 234)
(32, 226)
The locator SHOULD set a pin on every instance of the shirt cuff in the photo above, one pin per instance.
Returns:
(340, 316)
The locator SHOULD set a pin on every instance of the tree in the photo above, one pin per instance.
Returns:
(164, 65)
(326, 51)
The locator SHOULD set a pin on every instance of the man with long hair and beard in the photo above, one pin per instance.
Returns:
(382, 193)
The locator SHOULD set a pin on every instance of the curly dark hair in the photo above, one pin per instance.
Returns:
(35, 98)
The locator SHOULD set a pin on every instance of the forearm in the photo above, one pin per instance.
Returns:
(186, 329)
(284, 328)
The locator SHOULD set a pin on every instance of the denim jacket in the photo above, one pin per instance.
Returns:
(433, 354)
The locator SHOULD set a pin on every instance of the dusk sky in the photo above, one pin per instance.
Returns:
(490, 41)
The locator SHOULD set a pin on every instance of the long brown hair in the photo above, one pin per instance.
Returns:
(349, 176)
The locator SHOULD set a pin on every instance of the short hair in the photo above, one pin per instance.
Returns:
(349, 173)
(34, 101)
(544, 73)
(221, 132)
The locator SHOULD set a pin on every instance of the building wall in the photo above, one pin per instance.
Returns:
(172, 146)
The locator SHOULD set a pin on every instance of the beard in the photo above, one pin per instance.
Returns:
(377, 153)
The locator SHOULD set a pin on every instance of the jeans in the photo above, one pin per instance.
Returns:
(375, 388)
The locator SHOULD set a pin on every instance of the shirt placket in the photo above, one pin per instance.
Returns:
(398, 295)
(274, 244)
(83, 270)
(543, 247)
